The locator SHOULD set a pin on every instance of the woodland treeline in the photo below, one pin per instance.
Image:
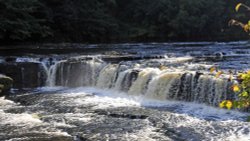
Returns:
(96, 21)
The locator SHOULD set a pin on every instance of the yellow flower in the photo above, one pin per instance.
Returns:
(222, 104)
(235, 88)
(243, 76)
(226, 103)
(229, 104)
(238, 7)
(246, 28)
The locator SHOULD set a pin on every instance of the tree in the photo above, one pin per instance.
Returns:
(77, 20)
(115, 20)
(196, 18)
(22, 19)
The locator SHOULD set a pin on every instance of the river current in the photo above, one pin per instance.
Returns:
(147, 91)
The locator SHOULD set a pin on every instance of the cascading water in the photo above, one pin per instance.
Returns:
(156, 83)
(51, 77)
(74, 74)
(107, 76)
(140, 85)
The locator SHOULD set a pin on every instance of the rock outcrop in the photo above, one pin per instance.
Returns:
(5, 84)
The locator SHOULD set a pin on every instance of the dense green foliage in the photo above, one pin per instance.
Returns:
(22, 19)
(117, 20)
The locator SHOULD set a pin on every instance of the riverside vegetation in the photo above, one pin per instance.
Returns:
(98, 21)
(242, 88)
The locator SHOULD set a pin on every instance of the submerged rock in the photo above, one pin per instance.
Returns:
(5, 84)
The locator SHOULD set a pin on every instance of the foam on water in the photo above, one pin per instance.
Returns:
(146, 134)
(188, 115)
(27, 59)
(58, 133)
(213, 123)
(25, 123)
(79, 116)
(19, 119)
(111, 98)
(48, 89)
(200, 118)
(4, 102)
(104, 98)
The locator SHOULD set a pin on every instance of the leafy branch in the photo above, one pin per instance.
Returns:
(242, 88)
(233, 22)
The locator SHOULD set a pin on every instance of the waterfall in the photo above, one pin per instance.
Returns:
(161, 84)
(74, 73)
(140, 85)
(107, 76)
(120, 80)
(51, 75)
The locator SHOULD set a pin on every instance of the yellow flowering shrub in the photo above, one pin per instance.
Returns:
(242, 89)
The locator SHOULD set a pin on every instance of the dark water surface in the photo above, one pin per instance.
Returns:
(227, 55)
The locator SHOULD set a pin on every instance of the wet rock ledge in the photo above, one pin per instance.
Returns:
(5, 84)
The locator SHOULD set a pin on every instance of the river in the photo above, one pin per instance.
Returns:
(141, 91)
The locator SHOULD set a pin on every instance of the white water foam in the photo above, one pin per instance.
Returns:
(111, 98)
(23, 119)
(4, 102)
(25, 122)
(199, 118)
(103, 98)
